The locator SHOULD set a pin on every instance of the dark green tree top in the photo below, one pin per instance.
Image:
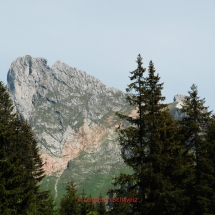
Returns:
(69, 204)
(194, 131)
(148, 146)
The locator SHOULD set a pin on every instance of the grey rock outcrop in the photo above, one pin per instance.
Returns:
(178, 98)
(70, 112)
(175, 107)
(24, 77)
(58, 101)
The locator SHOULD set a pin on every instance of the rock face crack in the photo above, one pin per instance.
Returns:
(50, 100)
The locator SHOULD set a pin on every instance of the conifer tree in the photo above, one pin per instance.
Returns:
(209, 160)
(193, 128)
(12, 172)
(5, 167)
(69, 204)
(20, 163)
(149, 147)
(117, 207)
(90, 206)
(100, 206)
(44, 203)
(83, 204)
(86, 206)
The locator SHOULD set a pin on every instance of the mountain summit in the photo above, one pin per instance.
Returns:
(72, 116)
(65, 106)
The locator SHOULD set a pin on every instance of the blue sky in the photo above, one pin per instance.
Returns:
(104, 37)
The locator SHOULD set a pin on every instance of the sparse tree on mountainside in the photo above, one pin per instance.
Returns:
(85, 205)
(69, 204)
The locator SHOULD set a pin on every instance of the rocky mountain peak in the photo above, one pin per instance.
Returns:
(66, 107)
(178, 98)
(23, 79)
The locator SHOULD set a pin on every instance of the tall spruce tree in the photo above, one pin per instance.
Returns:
(8, 171)
(197, 146)
(117, 207)
(20, 163)
(149, 147)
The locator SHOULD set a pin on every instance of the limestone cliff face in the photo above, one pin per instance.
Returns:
(69, 110)
(175, 107)
(179, 98)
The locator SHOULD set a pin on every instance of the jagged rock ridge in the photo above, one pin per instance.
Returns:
(66, 107)
(178, 98)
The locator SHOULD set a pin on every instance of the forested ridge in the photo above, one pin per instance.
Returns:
(172, 161)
